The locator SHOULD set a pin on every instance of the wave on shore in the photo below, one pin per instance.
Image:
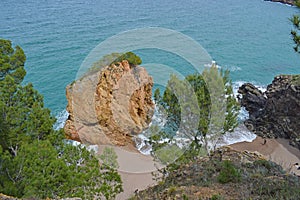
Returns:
(240, 134)
(61, 119)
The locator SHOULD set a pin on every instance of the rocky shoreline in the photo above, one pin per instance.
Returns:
(274, 113)
(288, 2)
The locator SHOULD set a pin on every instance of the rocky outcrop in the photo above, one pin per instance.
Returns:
(5, 197)
(70, 129)
(110, 106)
(276, 112)
(289, 2)
(123, 101)
(247, 175)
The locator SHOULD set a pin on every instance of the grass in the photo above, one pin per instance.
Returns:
(229, 173)
(296, 79)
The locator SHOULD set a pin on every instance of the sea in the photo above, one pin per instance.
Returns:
(251, 38)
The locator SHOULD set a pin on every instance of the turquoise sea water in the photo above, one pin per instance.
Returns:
(251, 38)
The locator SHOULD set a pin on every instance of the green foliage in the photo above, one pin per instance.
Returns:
(109, 59)
(22, 108)
(132, 58)
(264, 163)
(34, 160)
(109, 158)
(41, 171)
(206, 98)
(240, 173)
(11, 62)
(171, 190)
(104, 61)
(216, 197)
(157, 97)
(294, 33)
(184, 197)
(168, 153)
(296, 80)
(229, 173)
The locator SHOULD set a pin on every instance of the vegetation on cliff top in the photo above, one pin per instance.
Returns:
(225, 174)
(35, 162)
(114, 58)
(296, 79)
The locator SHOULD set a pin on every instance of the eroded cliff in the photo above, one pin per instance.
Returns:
(110, 106)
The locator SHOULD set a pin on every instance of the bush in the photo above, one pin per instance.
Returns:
(216, 197)
(132, 58)
(263, 163)
(229, 173)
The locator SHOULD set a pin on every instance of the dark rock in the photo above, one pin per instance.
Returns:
(252, 97)
(276, 112)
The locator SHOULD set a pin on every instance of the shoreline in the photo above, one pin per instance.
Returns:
(285, 2)
(136, 169)
(276, 150)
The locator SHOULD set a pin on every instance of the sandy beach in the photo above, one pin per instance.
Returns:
(136, 169)
(277, 150)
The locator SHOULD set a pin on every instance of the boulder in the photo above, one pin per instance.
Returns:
(110, 106)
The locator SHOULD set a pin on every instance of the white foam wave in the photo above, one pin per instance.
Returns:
(232, 68)
(61, 119)
(142, 144)
(243, 115)
(240, 133)
(238, 84)
(90, 148)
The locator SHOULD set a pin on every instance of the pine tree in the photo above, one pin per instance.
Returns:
(132, 58)
(294, 33)
(35, 162)
(205, 99)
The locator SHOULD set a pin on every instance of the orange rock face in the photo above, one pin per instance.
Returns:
(123, 101)
(69, 128)
(111, 106)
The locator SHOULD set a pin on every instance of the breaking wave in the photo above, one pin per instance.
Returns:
(240, 133)
(61, 118)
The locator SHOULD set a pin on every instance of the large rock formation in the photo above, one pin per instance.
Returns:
(110, 106)
(276, 112)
